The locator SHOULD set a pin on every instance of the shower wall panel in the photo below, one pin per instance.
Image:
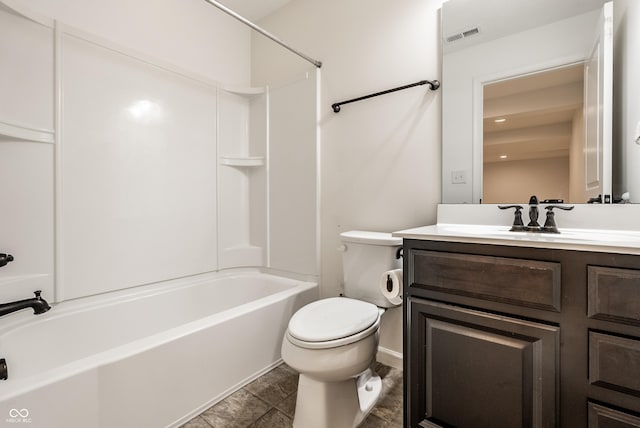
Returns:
(138, 172)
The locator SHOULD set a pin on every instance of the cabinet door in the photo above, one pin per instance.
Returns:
(472, 369)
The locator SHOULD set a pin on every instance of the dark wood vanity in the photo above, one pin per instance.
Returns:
(509, 336)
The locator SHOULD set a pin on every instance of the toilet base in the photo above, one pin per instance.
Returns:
(342, 404)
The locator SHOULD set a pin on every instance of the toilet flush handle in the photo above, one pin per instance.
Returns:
(342, 248)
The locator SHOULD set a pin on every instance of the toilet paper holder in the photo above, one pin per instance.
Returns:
(399, 253)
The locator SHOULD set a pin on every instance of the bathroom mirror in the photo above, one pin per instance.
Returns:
(497, 55)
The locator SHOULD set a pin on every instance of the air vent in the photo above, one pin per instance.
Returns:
(454, 37)
(463, 34)
(471, 32)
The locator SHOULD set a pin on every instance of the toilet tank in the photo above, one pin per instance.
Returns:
(366, 256)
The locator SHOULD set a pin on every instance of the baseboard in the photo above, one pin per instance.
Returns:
(389, 357)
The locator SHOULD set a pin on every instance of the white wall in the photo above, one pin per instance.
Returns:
(380, 158)
(189, 33)
(626, 102)
(545, 178)
(555, 44)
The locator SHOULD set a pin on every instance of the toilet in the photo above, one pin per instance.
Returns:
(333, 342)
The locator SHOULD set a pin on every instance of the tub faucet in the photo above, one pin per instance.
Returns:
(38, 304)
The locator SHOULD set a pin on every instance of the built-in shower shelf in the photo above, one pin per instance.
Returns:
(8, 130)
(247, 91)
(246, 161)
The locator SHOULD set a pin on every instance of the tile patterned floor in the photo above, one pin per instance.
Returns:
(270, 400)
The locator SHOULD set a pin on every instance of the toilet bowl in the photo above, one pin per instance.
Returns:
(333, 342)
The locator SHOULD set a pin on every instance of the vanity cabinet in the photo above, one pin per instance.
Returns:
(505, 336)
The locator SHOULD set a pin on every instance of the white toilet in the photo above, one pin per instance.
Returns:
(333, 342)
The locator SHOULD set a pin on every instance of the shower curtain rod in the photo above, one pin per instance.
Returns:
(433, 85)
(263, 32)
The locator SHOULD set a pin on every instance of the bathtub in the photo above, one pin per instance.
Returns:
(154, 356)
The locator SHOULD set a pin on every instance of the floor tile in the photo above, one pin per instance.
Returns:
(239, 410)
(285, 366)
(274, 386)
(196, 422)
(270, 401)
(274, 419)
(372, 421)
(288, 405)
(389, 405)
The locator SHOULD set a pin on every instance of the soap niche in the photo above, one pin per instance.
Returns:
(242, 177)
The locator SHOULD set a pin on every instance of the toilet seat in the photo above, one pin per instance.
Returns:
(332, 322)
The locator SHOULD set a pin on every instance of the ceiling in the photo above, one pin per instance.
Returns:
(254, 10)
(538, 112)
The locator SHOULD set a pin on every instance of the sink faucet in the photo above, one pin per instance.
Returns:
(38, 304)
(533, 225)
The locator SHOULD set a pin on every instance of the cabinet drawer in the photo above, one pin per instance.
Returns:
(601, 417)
(614, 362)
(614, 294)
(530, 283)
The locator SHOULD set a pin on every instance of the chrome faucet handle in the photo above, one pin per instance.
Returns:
(550, 223)
(518, 225)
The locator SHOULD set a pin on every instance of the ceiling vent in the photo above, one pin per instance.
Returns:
(462, 34)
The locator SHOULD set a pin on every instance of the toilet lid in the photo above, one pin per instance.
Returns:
(332, 318)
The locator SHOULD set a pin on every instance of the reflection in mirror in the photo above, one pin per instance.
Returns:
(492, 41)
(532, 133)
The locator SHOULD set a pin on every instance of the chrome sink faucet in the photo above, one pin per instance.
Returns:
(533, 226)
(38, 304)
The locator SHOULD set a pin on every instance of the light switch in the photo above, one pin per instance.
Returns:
(458, 177)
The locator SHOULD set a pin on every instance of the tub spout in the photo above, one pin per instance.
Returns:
(38, 304)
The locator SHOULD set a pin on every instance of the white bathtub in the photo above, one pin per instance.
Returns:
(152, 357)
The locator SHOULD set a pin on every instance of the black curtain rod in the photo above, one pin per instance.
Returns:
(433, 84)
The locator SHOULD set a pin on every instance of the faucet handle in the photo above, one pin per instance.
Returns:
(560, 207)
(5, 258)
(550, 222)
(518, 225)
